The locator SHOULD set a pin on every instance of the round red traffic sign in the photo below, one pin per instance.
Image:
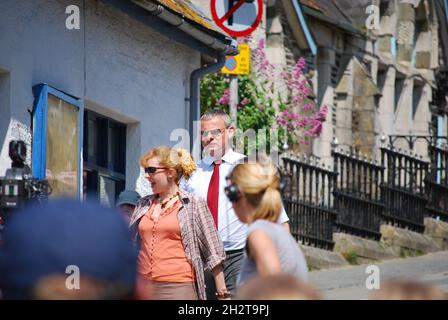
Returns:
(220, 21)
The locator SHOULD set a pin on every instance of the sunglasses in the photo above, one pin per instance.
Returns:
(214, 133)
(150, 170)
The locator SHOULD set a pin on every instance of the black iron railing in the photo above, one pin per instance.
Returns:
(308, 202)
(357, 195)
(437, 184)
(403, 190)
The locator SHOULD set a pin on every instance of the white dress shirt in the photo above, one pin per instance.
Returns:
(231, 230)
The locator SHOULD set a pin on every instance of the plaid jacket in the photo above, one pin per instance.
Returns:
(203, 247)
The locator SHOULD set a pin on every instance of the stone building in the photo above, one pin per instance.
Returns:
(377, 65)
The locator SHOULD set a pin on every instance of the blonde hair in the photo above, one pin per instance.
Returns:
(171, 158)
(259, 182)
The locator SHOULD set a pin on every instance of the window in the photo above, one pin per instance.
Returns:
(336, 69)
(422, 39)
(57, 137)
(416, 97)
(399, 85)
(387, 8)
(104, 157)
(393, 46)
(381, 77)
(386, 39)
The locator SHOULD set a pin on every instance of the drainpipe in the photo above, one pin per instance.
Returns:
(446, 10)
(195, 106)
(446, 45)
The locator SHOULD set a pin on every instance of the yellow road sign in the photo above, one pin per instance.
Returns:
(239, 64)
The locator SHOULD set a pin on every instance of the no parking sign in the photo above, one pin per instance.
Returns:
(238, 18)
(239, 64)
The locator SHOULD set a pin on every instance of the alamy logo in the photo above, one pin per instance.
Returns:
(72, 281)
(373, 20)
(373, 280)
(73, 20)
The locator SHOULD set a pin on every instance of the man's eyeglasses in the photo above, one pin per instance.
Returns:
(214, 133)
(150, 170)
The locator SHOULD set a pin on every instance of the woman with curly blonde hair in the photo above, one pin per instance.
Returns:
(175, 231)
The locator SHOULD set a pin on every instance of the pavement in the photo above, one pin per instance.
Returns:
(349, 283)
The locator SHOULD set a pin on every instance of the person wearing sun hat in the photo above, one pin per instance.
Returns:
(126, 202)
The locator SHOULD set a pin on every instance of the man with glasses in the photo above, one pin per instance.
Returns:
(209, 181)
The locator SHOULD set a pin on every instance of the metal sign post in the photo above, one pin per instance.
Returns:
(233, 101)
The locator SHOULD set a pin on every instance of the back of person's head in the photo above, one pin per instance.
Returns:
(276, 287)
(407, 290)
(172, 158)
(67, 250)
(260, 184)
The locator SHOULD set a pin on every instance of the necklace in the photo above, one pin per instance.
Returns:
(163, 203)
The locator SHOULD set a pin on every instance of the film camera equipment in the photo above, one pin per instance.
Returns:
(18, 187)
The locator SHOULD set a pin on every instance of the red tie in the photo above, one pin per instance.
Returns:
(213, 193)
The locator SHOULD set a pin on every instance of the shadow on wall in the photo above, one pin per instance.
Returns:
(10, 128)
(135, 176)
(5, 112)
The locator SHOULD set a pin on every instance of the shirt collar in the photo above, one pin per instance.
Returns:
(232, 157)
(184, 196)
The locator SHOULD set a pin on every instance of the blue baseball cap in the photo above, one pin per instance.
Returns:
(128, 197)
(42, 240)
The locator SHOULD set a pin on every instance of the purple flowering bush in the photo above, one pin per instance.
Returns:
(297, 118)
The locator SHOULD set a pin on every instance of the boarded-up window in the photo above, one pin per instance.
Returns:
(62, 147)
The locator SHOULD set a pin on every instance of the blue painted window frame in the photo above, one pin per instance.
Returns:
(308, 35)
(393, 47)
(39, 144)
